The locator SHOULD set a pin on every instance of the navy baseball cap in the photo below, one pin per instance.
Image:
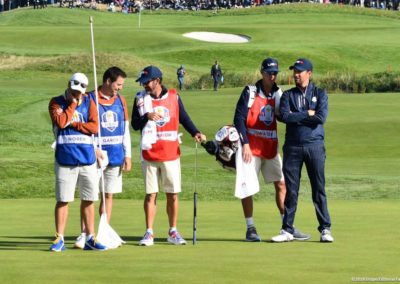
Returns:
(149, 73)
(270, 65)
(302, 64)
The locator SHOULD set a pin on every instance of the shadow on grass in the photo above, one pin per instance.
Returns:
(26, 242)
(42, 243)
(164, 240)
(299, 242)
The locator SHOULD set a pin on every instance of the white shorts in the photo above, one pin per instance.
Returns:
(69, 177)
(167, 174)
(271, 169)
(112, 179)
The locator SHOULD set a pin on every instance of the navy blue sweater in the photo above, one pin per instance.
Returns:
(139, 122)
(302, 129)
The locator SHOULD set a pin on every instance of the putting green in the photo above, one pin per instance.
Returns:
(363, 247)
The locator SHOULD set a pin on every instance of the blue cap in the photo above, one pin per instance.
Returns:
(302, 64)
(149, 73)
(270, 65)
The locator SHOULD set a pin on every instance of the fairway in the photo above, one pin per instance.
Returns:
(39, 51)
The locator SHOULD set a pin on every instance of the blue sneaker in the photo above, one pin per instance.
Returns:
(251, 235)
(92, 244)
(58, 244)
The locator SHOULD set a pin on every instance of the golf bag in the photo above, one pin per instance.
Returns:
(224, 146)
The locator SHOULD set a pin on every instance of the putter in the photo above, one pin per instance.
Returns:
(195, 199)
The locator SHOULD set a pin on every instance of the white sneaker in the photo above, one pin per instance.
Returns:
(283, 237)
(80, 241)
(148, 240)
(175, 238)
(326, 236)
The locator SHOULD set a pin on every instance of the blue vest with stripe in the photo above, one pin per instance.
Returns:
(112, 129)
(73, 147)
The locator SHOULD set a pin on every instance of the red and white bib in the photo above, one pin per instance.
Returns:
(166, 147)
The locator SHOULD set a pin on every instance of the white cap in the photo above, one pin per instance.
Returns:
(79, 82)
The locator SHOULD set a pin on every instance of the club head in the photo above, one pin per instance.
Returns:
(211, 147)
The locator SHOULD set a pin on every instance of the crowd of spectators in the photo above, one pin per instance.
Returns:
(132, 6)
(232, 4)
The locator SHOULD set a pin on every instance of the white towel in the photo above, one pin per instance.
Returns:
(149, 135)
(149, 132)
(246, 177)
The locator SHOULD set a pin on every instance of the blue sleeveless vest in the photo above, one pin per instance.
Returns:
(73, 147)
(112, 127)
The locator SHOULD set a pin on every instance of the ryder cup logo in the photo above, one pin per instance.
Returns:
(164, 113)
(109, 120)
(267, 114)
(77, 117)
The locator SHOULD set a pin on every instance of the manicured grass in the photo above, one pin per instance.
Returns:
(361, 135)
(363, 247)
(41, 49)
(334, 38)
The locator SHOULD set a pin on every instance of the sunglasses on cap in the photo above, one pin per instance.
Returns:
(75, 83)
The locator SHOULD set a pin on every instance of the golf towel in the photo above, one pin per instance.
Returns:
(149, 132)
(246, 177)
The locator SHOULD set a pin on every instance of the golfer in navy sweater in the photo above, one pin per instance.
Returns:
(304, 110)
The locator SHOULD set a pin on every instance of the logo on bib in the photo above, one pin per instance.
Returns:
(77, 117)
(109, 120)
(164, 113)
(267, 114)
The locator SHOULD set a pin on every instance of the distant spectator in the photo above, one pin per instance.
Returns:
(181, 76)
(396, 4)
(79, 4)
(111, 7)
(216, 74)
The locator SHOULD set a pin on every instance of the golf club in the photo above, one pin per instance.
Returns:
(195, 199)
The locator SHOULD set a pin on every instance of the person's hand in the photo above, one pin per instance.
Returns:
(127, 164)
(154, 116)
(311, 112)
(99, 156)
(246, 153)
(73, 97)
(200, 137)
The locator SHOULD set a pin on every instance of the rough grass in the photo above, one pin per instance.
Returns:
(339, 40)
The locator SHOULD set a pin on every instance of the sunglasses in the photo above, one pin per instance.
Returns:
(75, 83)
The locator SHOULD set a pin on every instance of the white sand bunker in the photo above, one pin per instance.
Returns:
(218, 37)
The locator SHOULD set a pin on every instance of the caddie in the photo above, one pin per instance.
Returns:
(74, 118)
(115, 139)
(157, 113)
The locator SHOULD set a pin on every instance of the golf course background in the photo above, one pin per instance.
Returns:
(40, 50)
